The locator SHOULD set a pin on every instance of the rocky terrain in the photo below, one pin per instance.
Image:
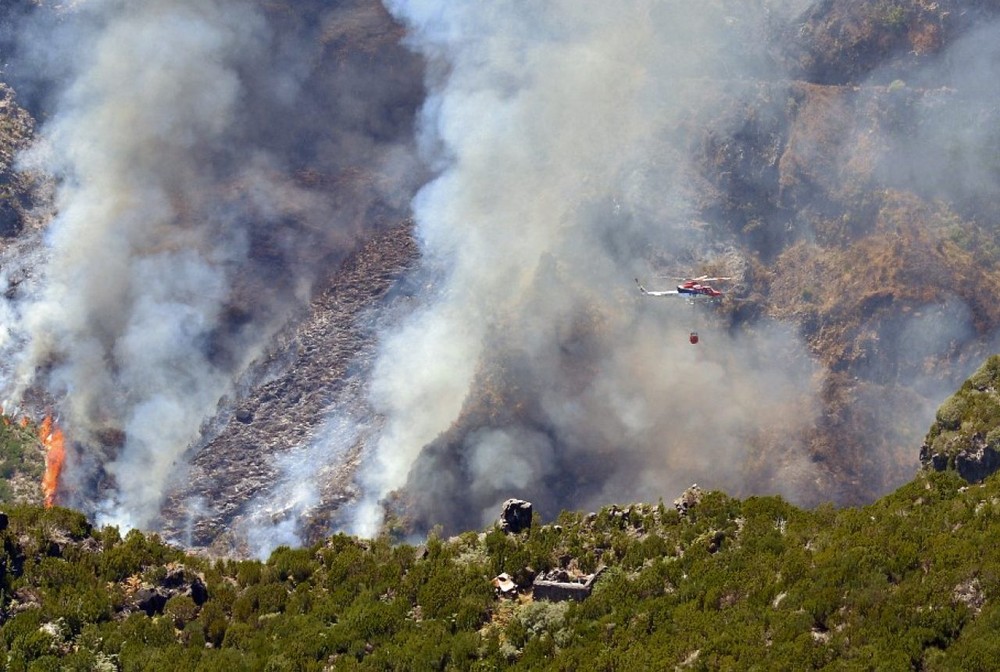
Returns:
(316, 364)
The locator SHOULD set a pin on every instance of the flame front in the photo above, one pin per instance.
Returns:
(55, 455)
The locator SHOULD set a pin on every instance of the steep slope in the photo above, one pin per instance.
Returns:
(316, 369)
(891, 282)
(316, 164)
(843, 180)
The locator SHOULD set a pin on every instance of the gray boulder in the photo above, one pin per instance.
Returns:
(515, 516)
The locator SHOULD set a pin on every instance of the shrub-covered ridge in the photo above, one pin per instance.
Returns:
(966, 433)
(909, 581)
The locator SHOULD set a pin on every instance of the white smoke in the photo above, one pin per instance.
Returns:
(560, 135)
(276, 517)
(137, 276)
(184, 232)
(555, 130)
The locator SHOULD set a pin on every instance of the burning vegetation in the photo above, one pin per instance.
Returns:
(55, 455)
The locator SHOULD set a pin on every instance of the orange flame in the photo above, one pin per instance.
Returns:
(55, 455)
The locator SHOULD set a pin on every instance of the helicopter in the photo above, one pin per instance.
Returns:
(692, 289)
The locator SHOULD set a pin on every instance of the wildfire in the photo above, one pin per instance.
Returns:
(55, 454)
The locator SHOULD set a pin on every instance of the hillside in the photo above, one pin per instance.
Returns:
(965, 436)
(707, 581)
(907, 582)
(323, 283)
(22, 462)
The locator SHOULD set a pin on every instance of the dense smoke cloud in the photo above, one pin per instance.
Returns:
(557, 131)
(217, 159)
(193, 142)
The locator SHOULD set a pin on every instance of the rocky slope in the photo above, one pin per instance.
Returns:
(317, 364)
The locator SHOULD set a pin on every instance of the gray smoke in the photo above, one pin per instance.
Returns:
(558, 133)
(945, 143)
(216, 159)
(194, 143)
(937, 139)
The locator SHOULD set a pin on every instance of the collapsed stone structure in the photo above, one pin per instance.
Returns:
(559, 586)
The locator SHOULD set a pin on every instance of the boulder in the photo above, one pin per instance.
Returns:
(515, 516)
(178, 580)
(182, 581)
(977, 462)
(504, 586)
(932, 460)
(690, 497)
(150, 600)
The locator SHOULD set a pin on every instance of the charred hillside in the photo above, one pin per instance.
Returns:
(261, 335)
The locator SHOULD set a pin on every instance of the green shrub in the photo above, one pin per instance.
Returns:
(986, 376)
(295, 565)
(182, 609)
(950, 413)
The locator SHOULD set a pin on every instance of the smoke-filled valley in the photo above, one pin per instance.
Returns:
(280, 269)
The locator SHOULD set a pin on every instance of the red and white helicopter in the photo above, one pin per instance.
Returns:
(690, 288)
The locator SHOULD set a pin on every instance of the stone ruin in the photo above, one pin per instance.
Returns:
(559, 585)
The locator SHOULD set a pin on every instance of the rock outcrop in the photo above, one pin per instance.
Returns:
(515, 516)
(966, 433)
(688, 499)
(151, 599)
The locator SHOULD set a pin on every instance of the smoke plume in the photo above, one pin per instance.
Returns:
(216, 160)
(558, 131)
(193, 142)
